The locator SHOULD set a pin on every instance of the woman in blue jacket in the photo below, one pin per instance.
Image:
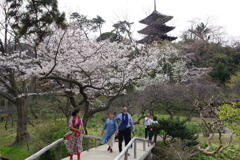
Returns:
(111, 132)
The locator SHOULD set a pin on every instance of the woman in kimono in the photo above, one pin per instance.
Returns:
(74, 144)
(109, 135)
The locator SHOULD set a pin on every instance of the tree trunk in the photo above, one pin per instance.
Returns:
(164, 139)
(189, 118)
(22, 133)
(33, 113)
(86, 116)
(67, 121)
(6, 123)
(191, 114)
(85, 120)
(138, 121)
(55, 116)
(12, 118)
(170, 113)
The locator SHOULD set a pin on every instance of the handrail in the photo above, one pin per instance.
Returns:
(59, 142)
(125, 150)
(147, 152)
(39, 153)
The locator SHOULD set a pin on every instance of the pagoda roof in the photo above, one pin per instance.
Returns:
(156, 17)
(156, 30)
(151, 38)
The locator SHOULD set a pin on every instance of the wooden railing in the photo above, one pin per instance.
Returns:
(134, 140)
(59, 143)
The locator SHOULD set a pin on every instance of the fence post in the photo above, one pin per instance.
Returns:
(135, 149)
(96, 143)
(87, 144)
(60, 151)
(126, 155)
(144, 145)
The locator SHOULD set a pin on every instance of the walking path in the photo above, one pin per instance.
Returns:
(101, 153)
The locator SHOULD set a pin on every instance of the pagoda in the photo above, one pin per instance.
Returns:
(156, 28)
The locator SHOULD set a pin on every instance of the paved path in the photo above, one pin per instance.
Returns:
(101, 153)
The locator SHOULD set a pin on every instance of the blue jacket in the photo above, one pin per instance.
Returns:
(111, 127)
(130, 121)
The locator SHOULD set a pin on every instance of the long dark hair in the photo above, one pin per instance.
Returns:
(75, 112)
(155, 118)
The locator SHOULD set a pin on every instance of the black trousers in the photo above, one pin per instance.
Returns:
(146, 132)
(127, 137)
(150, 135)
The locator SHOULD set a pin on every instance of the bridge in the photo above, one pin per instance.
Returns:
(141, 148)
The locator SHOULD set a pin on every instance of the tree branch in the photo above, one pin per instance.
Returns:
(8, 97)
(55, 58)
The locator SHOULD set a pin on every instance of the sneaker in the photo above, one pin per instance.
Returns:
(108, 148)
(111, 150)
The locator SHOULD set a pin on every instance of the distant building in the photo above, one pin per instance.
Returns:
(156, 28)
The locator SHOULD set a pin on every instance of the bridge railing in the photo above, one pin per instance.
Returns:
(59, 143)
(134, 140)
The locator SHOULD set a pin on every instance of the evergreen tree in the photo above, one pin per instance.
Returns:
(98, 23)
(35, 19)
(175, 129)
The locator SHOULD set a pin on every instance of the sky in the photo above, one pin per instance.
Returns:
(223, 13)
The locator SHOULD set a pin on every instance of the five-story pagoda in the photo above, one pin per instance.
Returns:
(156, 28)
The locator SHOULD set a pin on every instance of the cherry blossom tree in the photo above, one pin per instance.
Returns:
(24, 25)
(93, 69)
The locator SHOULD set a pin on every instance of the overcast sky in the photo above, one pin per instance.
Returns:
(225, 13)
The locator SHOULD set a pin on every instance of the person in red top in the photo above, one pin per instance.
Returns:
(74, 144)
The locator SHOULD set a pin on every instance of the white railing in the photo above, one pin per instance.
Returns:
(134, 140)
(59, 143)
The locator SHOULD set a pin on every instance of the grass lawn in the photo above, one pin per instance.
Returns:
(15, 152)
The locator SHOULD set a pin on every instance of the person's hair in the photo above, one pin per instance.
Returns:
(155, 118)
(75, 112)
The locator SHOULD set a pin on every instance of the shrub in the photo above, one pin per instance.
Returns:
(179, 150)
(47, 133)
(232, 152)
(48, 155)
(232, 113)
(175, 129)
(50, 132)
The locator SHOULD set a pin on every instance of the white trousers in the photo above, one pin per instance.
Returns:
(111, 141)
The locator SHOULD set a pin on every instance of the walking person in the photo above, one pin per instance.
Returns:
(111, 132)
(74, 143)
(147, 125)
(125, 127)
(154, 121)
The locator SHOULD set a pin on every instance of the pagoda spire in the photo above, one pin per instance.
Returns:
(155, 8)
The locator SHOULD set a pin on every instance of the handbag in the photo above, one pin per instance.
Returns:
(68, 135)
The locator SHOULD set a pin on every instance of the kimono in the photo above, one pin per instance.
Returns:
(74, 144)
(109, 135)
